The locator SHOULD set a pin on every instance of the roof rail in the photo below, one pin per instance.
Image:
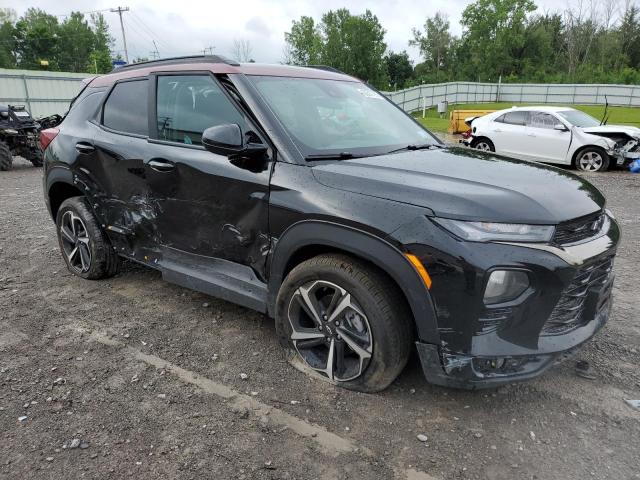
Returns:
(325, 67)
(177, 60)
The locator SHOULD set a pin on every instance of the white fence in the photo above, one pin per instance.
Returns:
(43, 93)
(415, 98)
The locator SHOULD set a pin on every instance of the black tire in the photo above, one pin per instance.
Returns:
(591, 159)
(35, 156)
(103, 260)
(484, 144)
(386, 315)
(6, 159)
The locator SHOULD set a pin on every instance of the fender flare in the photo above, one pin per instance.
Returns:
(366, 246)
(57, 174)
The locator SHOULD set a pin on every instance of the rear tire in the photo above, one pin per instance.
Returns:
(361, 322)
(85, 247)
(6, 159)
(591, 159)
(36, 157)
(484, 144)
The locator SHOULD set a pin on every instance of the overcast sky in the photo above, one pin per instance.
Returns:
(187, 27)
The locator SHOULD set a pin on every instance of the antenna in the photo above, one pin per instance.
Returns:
(604, 115)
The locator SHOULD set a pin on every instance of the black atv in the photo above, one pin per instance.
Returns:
(18, 136)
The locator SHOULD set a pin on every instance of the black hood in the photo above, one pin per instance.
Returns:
(466, 184)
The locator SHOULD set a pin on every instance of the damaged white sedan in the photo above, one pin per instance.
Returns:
(558, 135)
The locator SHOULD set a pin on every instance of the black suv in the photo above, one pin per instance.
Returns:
(303, 193)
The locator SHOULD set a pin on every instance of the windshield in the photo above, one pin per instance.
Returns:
(579, 119)
(326, 117)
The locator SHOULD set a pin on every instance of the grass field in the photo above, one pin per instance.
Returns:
(617, 115)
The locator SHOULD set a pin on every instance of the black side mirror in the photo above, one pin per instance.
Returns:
(227, 140)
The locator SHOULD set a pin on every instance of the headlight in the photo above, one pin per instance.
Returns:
(10, 131)
(505, 285)
(490, 231)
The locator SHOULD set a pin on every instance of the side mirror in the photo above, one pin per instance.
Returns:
(227, 140)
(561, 127)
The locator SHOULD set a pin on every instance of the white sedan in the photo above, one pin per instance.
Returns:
(558, 135)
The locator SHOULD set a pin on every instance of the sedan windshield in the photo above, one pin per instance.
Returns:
(579, 119)
(341, 119)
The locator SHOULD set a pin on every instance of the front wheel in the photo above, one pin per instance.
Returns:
(483, 144)
(35, 156)
(6, 159)
(85, 248)
(346, 321)
(592, 159)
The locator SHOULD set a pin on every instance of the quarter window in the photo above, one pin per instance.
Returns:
(126, 108)
(189, 104)
(542, 120)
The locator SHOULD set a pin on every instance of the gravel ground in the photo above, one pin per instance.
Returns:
(134, 377)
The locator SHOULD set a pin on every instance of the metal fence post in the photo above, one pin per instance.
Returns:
(26, 93)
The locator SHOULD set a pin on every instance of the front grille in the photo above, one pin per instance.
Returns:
(579, 229)
(569, 312)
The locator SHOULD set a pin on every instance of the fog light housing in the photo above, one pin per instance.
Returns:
(505, 285)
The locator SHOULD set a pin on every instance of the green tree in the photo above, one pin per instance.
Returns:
(36, 36)
(494, 36)
(75, 44)
(399, 68)
(100, 57)
(351, 43)
(304, 43)
(434, 43)
(7, 38)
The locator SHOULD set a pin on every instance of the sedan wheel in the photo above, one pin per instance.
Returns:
(483, 146)
(330, 331)
(591, 161)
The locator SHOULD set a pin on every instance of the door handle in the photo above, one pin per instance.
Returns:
(497, 130)
(84, 147)
(531, 134)
(161, 165)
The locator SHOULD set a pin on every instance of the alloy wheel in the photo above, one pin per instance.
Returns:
(75, 242)
(330, 331)
(483, 146)
(590, 161)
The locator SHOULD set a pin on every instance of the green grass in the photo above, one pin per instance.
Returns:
(617, 115)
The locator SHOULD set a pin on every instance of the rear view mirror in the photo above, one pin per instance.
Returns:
(223, 139)
(227, 140)
(561, 127)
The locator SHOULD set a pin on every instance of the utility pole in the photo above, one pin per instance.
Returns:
(210, 49)
(119, 11)
(156, 53)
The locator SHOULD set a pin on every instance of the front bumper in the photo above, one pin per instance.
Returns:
(483, 346)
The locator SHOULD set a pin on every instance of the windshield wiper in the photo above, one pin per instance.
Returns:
(331, 156)
(422, 146)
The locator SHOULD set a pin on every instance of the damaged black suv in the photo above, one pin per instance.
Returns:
(303, 193)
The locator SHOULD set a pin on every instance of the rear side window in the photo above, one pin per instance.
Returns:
(126, 108)
(542, 120)
(189, 104)
(514, 118)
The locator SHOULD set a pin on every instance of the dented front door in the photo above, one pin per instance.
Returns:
(208, 205)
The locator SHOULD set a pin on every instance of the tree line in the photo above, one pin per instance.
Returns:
(588, 42)
(39, 40)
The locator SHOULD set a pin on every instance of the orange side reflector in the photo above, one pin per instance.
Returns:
(420, 268)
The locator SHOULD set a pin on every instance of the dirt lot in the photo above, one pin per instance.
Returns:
(146, 376)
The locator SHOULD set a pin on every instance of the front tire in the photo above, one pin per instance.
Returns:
(592, 159)
(35, 157)
(6, 159)
(85, 248)
(484, 144)
(346, 321)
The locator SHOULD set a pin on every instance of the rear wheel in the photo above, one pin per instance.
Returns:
(484, 144)
(35, 156)
(592, 159)
(6, 160)
(346, 321)
(85, 247)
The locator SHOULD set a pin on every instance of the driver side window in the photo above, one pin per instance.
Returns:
(189, 104)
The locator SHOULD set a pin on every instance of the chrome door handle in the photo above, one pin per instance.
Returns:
(161, 165)
(84, 147)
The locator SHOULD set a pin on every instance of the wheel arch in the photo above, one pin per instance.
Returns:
(582, 148)
(60, 186)
(309, 238)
